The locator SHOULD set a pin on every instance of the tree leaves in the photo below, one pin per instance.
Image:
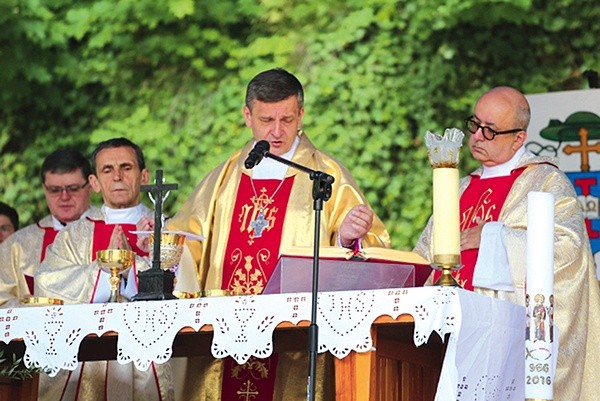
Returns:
(171, 76)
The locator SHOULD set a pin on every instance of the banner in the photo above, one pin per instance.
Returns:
(567, 125)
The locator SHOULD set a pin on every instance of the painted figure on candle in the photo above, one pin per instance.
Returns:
(550, 311)
(539, 315)
(493, 235)
(527, 318)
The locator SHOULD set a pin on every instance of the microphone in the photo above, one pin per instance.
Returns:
(256, 155)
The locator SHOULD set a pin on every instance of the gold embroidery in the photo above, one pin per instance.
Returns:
(249, 279)
(245, 217)
(461, 282)
(248, 391)
(250, 213)
(254, 368)
(479, 210)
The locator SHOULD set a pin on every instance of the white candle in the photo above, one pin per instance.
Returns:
(540, 341)
(446, 231)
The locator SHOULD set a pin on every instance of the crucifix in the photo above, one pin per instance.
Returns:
(259, 224)
(155, 283)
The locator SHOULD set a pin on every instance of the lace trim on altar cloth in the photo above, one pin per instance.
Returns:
(243, 327)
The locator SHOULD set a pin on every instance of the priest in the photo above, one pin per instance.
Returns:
(71, 273)
(9, 221)
(493, 210)
(64, 178)
(248, 215)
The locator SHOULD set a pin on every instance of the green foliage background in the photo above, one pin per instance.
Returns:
(171, 76)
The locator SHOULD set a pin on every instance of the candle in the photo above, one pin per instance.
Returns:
(446, 231)
(539, 297)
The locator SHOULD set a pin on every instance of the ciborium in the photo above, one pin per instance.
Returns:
(171, 249)
(115, 262)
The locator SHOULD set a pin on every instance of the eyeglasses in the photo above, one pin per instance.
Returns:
(487, 132)
(69, 189)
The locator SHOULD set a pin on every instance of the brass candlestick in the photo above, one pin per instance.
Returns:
(115, 262)
(447, 264)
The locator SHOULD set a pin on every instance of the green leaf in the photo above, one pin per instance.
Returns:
(181, 8)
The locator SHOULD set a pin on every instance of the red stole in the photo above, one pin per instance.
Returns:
(49, 236)
(483, 198)
(251, 255)
(102, 233)
(249, 259)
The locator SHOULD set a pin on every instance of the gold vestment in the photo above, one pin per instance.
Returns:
(69, 273)
(576, 291)
(208, 212)
(19, 256)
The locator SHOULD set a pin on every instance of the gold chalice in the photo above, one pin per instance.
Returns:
(115, 262)
(171, 248)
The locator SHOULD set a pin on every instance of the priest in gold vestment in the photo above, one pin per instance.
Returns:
(64, 176)
(248, 215)
(493, 209)
(71, 273)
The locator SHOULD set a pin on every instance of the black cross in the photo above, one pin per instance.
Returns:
(156, 190)
(154, 283)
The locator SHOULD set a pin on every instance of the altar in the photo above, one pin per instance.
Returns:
(483, 356)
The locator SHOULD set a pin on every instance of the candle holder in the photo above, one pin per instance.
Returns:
(447, 264)
(443, 152)
(115, 262)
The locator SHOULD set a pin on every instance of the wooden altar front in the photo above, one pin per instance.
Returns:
(396, 370)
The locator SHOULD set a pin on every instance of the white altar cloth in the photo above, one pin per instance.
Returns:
(484, 358)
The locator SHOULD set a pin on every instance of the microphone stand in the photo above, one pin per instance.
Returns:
(321, 192)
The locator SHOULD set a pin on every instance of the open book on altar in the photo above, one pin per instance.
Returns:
(342, 269)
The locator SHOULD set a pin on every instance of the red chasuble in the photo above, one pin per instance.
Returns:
(483, 198)
(250, 258)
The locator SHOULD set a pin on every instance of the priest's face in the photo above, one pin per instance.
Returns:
(6, 227)
(118, 177)
(496, 110)
(277, 123)
(67, 194)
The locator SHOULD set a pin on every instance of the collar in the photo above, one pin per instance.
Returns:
(505, 168)
(272, 169)
(130, 215)
(59, 225)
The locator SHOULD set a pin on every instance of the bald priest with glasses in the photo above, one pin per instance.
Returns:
(64, 175)
(493, 210)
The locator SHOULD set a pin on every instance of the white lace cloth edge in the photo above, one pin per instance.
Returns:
(243, 327)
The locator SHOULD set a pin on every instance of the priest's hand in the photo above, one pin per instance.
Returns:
(355, 225)
(471, 237)
(118, 240)
(143, 241)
